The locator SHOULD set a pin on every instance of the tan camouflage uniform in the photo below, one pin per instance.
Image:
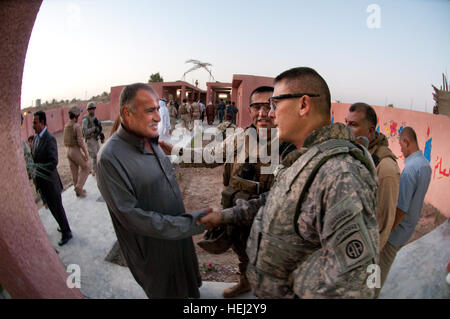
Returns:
(244, 181)
(196, 111)
(189, 110)
(173, 114)
(92, 144)
(337, 228)
(184, 115)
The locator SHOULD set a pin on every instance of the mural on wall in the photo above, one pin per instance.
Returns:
(393, 129)
(441, 173)
(427, 148)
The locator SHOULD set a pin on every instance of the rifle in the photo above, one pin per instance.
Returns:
(98, 130)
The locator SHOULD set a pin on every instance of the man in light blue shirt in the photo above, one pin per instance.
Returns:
(414, 183)
(203, 107)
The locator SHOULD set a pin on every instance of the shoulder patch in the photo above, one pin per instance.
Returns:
(352, 245)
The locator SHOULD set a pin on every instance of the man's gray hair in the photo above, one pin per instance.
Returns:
(128, 95)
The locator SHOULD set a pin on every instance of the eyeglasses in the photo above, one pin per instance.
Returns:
(257, 106)
(272, 100)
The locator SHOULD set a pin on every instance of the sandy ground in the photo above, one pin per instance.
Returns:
(201, 188)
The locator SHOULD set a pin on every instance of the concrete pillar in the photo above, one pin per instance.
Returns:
(183, 93)
(29, 265)
(208, 95)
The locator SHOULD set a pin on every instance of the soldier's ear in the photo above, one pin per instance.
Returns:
(304, 105)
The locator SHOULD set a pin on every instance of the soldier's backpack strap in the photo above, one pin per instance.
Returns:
(327, 150)
(224, 134)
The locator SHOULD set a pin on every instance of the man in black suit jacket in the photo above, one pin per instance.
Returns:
(45, 155)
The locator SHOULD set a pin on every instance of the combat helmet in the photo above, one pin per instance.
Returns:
(91, 105)
(216, 240)
(74, 110)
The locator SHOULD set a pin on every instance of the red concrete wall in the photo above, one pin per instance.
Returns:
(58, 117)
(158, 87)
(430, 128)
(247, 84)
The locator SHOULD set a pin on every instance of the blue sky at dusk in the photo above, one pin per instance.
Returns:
(82, 48)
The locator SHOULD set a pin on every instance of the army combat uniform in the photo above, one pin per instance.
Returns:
(316, 231)
(243, 180)
(89, 133)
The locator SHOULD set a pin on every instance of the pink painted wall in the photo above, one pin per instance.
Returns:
(244, 85)
(430, 128)
(58, 117)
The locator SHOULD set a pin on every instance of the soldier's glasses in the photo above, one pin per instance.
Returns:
(257, 106)
(274, 99)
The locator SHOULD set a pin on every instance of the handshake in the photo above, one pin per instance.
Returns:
(211, 218)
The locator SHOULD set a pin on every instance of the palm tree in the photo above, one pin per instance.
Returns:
(197, 65)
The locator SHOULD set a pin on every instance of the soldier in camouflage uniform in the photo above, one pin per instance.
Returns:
(315, 233)
(244, 180)
(172, 114)
(77, 154)
(183, 111)
(91, 132)
(196, 110)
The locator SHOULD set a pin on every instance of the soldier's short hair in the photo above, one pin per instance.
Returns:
(260, 89)
(410, 134)
(41, 115)
(307, 80)
(369, 112)
(128, 95)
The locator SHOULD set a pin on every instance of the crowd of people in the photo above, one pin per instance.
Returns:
(192, 113)
(335, 205)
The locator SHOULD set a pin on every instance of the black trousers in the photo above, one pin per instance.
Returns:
(54, 202)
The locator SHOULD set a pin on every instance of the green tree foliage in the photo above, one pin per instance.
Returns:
(155, 77)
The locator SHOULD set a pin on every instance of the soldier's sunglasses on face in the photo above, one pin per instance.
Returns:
(257, 106)
(274, 99)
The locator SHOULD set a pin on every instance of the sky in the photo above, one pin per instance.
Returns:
(378, 52)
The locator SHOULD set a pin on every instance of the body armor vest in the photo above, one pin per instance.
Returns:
(244, 180)
(69, 135)
(183, 109)
(275, 247)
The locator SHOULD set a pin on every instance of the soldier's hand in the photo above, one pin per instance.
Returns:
(212, 219)
(166, 147)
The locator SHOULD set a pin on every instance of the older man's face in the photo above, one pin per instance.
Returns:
(259, 110)
(357, 122)
(403, 146)
(144, 122)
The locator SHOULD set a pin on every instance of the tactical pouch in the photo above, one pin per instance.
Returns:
(244, 185)
(228, 197)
